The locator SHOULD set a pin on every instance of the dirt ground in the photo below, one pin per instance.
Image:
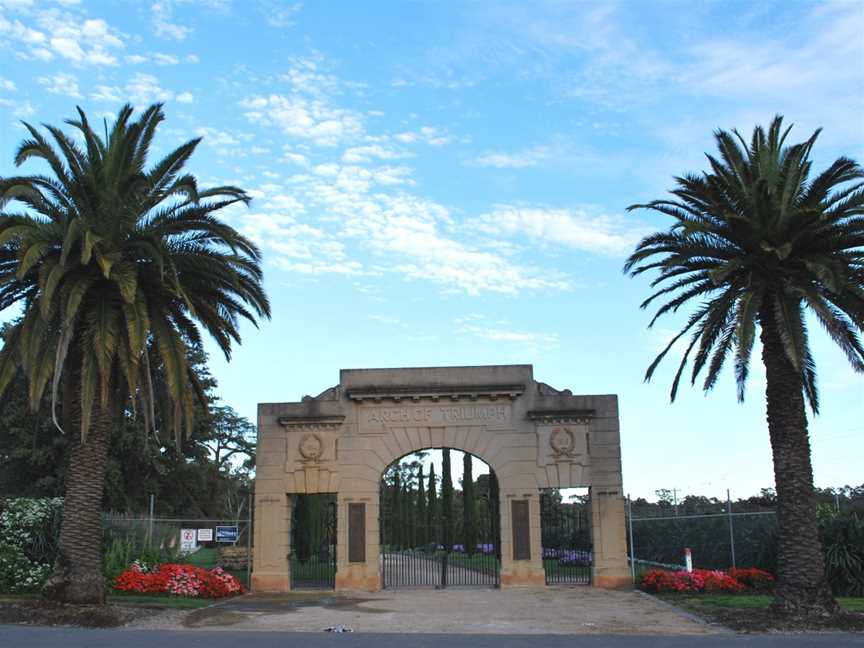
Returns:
(39, 612)
(755, 620)
(551, 610)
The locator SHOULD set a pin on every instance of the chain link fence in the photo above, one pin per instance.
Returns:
(203, 542)
(658, 538)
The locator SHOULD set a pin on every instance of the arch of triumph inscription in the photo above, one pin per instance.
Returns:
(341, 441)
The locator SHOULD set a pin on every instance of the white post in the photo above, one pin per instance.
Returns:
(688, 560)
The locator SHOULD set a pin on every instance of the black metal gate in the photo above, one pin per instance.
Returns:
(313, 541)
(418, 550)
(565, 533)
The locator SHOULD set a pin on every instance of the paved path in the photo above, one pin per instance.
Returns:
(27, 637)
(416, 571)
(542, 611)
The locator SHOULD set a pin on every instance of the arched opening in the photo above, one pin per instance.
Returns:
(440, 521)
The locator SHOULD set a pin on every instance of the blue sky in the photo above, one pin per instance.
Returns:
(444, 183)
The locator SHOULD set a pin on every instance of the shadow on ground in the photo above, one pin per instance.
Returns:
(246, 608)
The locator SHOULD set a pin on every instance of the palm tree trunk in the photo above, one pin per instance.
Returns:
(77, 576)
(802, 588)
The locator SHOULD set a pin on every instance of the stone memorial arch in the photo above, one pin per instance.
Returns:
(340, 442)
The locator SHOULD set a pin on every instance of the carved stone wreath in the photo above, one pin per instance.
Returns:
(562, 442)
(311, 447)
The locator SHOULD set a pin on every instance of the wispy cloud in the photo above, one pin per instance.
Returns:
(311, 119)
(82, 42)
(298, 247)
(518, 160)
(500, 332)
(19, 108)
(162, 15)
(368, 152)
(279, 14)
(62, 84)
(140, 89)
(575, 228)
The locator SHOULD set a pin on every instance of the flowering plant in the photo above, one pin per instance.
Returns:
(179, 580)
(753, 578)
(18, 573)
(699, 580)
(29, 530)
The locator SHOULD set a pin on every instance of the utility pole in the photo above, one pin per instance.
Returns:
(675, 500)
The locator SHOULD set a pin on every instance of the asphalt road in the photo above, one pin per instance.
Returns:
(32, 637)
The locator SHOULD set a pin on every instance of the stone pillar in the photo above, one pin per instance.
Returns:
(270, 565)
(354, 575)
(608, 533)
(521, 568)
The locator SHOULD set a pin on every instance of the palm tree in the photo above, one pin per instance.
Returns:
(116, 267)
(756, 241)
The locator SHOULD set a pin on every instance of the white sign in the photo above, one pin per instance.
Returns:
(187, 540)
(205, 535)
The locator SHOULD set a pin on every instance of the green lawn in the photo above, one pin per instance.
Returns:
(205, 557)
(478, 562)
(567, 571)
(745, 601)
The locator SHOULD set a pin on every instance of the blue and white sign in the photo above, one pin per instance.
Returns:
(226, 534)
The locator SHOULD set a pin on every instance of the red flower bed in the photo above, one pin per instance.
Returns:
(704, 580)
(180, 580)
(758, 580)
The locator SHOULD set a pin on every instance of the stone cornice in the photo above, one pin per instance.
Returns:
(307, 421)
(580, 416)
(435, 392)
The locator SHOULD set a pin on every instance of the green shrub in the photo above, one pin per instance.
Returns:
(18, 573)
(843, 545)
(33, 525)
(120, 553)
(132, 539)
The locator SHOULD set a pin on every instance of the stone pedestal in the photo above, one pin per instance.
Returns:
(610, 569)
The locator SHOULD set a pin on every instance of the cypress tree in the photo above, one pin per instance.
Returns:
(409, 513)
(422, 528)
(469, 505)
(432, 509)
(447, 501)
(396, 510)
(307, 530)
(495, 511)
(300, 544)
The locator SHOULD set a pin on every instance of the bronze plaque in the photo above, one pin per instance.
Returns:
(356, 532)
(521, 531)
